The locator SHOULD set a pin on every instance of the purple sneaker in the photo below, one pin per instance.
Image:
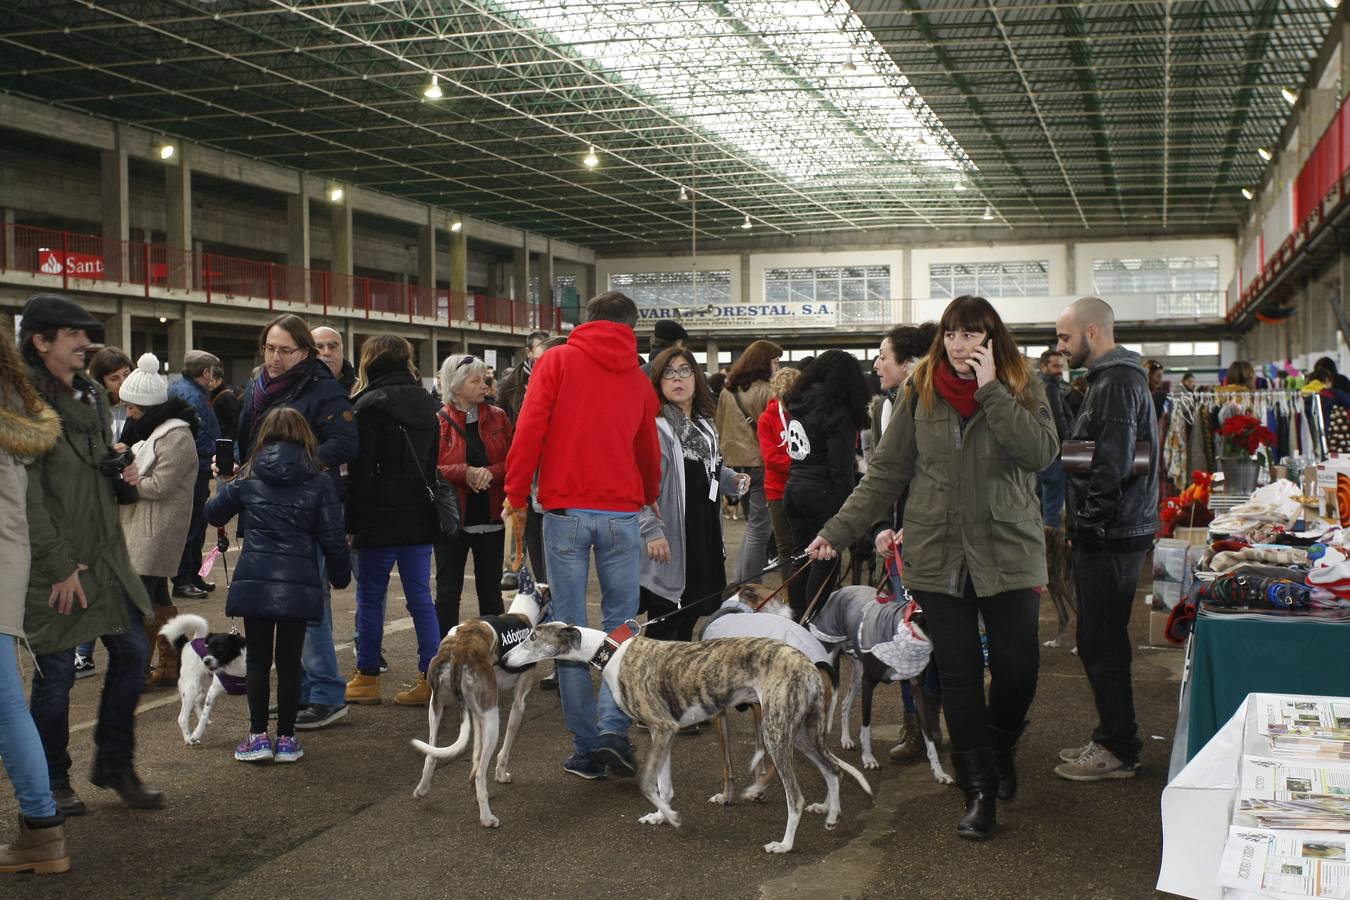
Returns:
(288, 749)
(255, 748)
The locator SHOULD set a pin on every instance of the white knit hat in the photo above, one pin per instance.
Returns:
(145, 387)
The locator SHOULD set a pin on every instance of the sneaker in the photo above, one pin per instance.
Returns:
(1096, 764)
(288, 749)
(1071, 754)
(255, 748)
(384, 666)
(584, 765)
(319, 715)
(616, 752)
(84, 666)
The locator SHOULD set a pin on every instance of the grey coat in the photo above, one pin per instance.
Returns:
(155, 525)
(21, 439)
(667, 579)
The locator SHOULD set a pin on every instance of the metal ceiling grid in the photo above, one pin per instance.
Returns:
(804, 115)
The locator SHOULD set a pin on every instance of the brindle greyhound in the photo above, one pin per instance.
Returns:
(669, 684)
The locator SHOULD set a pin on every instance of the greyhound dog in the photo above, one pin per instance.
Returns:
(746, 615)
(470, 667)
(669, 684)
(852, 621)
(1059, 563)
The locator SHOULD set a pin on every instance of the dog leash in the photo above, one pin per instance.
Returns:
(733, 588)
(811, 607)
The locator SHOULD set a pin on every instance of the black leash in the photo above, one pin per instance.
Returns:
(733, 588)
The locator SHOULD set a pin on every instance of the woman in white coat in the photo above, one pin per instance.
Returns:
(685, 559)
(161, 432)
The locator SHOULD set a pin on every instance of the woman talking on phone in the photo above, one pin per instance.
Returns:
(972, 430)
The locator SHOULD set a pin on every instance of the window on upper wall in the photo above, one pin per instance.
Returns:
(1028, 278)
(681, 290)
(861, 292)
(1184, 286)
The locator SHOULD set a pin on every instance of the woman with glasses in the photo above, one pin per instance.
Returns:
(475, 437)
(684, 560)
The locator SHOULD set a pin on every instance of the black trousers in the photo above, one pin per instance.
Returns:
(452, 557)
(1010, 624)
(679, 627)
(268, 640)
(808, 509)
(191, 562)
(1106, 582)
(534, 544)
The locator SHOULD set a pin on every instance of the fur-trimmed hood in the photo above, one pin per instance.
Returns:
(24, 436)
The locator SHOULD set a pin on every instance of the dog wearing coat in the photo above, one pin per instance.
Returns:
(852, 621)
(666, 685)
(210, 664)
(469, 668)
(1059, 563)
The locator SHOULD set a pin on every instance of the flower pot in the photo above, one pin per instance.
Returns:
(1239, 474)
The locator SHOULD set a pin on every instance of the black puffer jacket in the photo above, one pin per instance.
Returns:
(821, 441)
(293, 515)
(1107, 504)
(387, 502)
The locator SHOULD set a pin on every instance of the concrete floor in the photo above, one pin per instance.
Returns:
(343, 822)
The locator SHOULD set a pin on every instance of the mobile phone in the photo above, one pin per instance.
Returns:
(987, 339)
(225, 456)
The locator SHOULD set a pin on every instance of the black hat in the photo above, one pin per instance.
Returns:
(46, 311)
(670, 331)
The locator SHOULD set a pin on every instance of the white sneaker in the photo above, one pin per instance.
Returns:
(1096, 764)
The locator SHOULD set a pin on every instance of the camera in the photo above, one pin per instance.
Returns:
(112, 467)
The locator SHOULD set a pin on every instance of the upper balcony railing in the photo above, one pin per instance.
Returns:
(82, 259)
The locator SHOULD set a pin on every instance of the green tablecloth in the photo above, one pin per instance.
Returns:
(1235, 657)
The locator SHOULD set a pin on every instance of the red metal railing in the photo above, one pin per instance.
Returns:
(82, 258)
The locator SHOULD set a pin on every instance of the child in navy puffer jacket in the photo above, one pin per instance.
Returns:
(292, 514)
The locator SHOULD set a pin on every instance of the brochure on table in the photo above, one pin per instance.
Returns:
(1261, 809)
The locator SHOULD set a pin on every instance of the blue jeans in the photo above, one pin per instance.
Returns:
(124, 677)
(372, 585)
(320, 681)
(568, 541)
(1050, 486)
(20, 746)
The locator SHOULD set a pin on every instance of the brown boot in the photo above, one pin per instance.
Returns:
(164, 672)
(911, 746)
(364, 689)
(417, 694)
(40, 848)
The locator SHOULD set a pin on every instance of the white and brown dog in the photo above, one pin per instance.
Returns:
(210, 664)
(469, 667)
(666, 685)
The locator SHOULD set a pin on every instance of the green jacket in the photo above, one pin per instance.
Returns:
(972, 507)
(72, 520)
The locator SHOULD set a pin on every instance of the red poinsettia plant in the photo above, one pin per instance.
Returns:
(1244, 435)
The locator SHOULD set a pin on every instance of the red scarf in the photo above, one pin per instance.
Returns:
(958, 391)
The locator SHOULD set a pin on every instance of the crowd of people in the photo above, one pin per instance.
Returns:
(949, 460)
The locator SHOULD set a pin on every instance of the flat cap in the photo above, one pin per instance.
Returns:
(669, 330)
(46, 311)
(200, 360)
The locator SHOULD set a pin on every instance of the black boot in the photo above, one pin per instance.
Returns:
(977, 775)
(1005, 751)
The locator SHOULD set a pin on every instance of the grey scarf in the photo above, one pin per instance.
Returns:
(694, 441)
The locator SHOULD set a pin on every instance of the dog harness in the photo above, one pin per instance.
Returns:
(510, 631)
(233, 684)
(611, 644)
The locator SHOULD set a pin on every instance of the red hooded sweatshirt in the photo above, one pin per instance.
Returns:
(588, 426)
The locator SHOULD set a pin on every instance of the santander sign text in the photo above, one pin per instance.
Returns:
(73, 265)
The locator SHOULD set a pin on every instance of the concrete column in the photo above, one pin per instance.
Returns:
(712, 351)
(348, 328)
(180, 337)
(6, 238)
(520, 272)
(1070, 271)
(905, 307)
(116, 209)
(547, 297)
(178, 218)
(426, 355)
(117, 329)
(341, 239)
(745, 278)
(298, 243)
(459, 271)
(426, 267)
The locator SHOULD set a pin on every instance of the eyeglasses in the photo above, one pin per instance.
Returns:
(671, 374)
(287, 352)
(466, 361)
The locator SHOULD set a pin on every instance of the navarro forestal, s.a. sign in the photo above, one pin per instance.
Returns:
(72, 265)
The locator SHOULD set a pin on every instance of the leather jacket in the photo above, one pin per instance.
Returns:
(1107, 503)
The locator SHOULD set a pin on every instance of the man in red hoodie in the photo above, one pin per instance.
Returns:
(588, 429)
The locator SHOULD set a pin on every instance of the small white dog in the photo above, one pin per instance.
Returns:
(210, 664)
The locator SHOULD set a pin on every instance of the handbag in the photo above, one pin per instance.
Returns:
(441, 494)
(1077, 457)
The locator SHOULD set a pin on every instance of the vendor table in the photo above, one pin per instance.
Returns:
(1234, 657)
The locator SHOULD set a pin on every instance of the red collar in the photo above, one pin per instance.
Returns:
(611, 643)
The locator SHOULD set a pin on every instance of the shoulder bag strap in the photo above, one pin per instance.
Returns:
(453, 424)
(748, 420)
(413, 453)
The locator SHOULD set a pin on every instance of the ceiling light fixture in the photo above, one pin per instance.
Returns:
(433, 90)
(1247, 194)
(960, 185)
(163, 320)
(684, 195)
(456, 226)
(591, 160)
(1264, 153)
(165, 150)
(1289, 96)
(849, 65)
(1334, 4)
(746, 226)
(988, 214)
(335, 193)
